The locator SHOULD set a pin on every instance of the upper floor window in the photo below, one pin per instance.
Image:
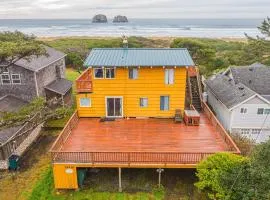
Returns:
(133, 73)
(143, 102)
(16, 79)
(169, 76)
(110, 73)
(164, 102)
(5, 79)
(260, 111)
(266, 111)
(3, 70)
(85, 102)
(245, 131)
(243, 110)
(99, 73)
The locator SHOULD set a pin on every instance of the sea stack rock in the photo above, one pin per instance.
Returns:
(99, 19)
(120, 19)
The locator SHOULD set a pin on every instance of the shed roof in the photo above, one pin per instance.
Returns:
(37, 63)
(60, 86)
(128, 57)
(11, 103)
(255, 76)
(227, 91)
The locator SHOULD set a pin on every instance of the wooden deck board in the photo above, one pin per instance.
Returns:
(143, 135)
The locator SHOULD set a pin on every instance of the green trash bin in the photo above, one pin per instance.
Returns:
(13, 162)
(81, 174)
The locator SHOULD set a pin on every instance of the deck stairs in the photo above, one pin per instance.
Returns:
(194, 88)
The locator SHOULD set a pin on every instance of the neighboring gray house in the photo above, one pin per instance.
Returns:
(240, 99)
(40, 76)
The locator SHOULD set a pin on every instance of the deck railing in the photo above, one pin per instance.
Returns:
(72, 123)
(129, 158)
(84, 82)
(219, 128)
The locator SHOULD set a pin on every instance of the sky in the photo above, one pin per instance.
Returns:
(25, 9)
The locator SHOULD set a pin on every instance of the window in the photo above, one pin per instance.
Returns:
(85, 102)
(266, 111)
(169, 76)
(99, 73)
(245, 131)
(256, 131)
(16, 79)
(243, 110)
(133, 73)
(260, 111)
(143, 102)
(164, 102)
(4, 70)
(110, 73)
(5, 79)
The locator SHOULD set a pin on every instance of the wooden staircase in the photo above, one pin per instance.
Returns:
(196, 101)
(194, 89)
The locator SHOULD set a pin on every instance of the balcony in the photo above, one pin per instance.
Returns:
(84, 82)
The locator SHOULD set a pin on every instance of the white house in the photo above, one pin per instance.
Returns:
(240, 99)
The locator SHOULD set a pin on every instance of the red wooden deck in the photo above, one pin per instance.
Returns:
(143, 135)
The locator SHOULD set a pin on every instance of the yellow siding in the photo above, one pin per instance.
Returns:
(150, 84)
(64, 180)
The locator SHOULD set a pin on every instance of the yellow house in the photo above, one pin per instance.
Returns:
(128, 82)
(138, 86)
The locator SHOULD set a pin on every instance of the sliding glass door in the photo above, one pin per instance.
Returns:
(114, 106)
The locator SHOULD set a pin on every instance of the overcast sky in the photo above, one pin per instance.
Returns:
(135, 8)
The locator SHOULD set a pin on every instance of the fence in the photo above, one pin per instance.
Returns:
(7, 148)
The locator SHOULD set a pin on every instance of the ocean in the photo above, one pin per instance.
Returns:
(210, 28)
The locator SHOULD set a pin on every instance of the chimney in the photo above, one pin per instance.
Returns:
(125, 41)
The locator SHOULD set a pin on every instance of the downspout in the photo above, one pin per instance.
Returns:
(36, 84)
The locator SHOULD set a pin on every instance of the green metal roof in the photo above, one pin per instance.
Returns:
(128, 57)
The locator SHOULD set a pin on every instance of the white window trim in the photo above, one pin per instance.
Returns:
(245, 110)
(169, 101)
(168, 71)
(90, 102)
(103, 70)
(109, 68)
(5, 74)
(122, 106)
(133, 74)
(16, 79)
(146, 104)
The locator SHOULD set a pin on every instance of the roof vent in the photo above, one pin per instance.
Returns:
(230, 80)
(243, 95)
(125, 41)
(250, 81)
(241, 88)
(251, 69)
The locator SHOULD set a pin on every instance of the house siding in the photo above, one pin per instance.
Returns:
(222, 112)
(251, 119)
(150, 84)
(26, 90)
(48, 74)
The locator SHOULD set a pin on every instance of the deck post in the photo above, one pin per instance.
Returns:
(120, 179)
(159, 171)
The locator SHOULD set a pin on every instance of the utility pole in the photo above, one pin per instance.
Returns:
(159, 171)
